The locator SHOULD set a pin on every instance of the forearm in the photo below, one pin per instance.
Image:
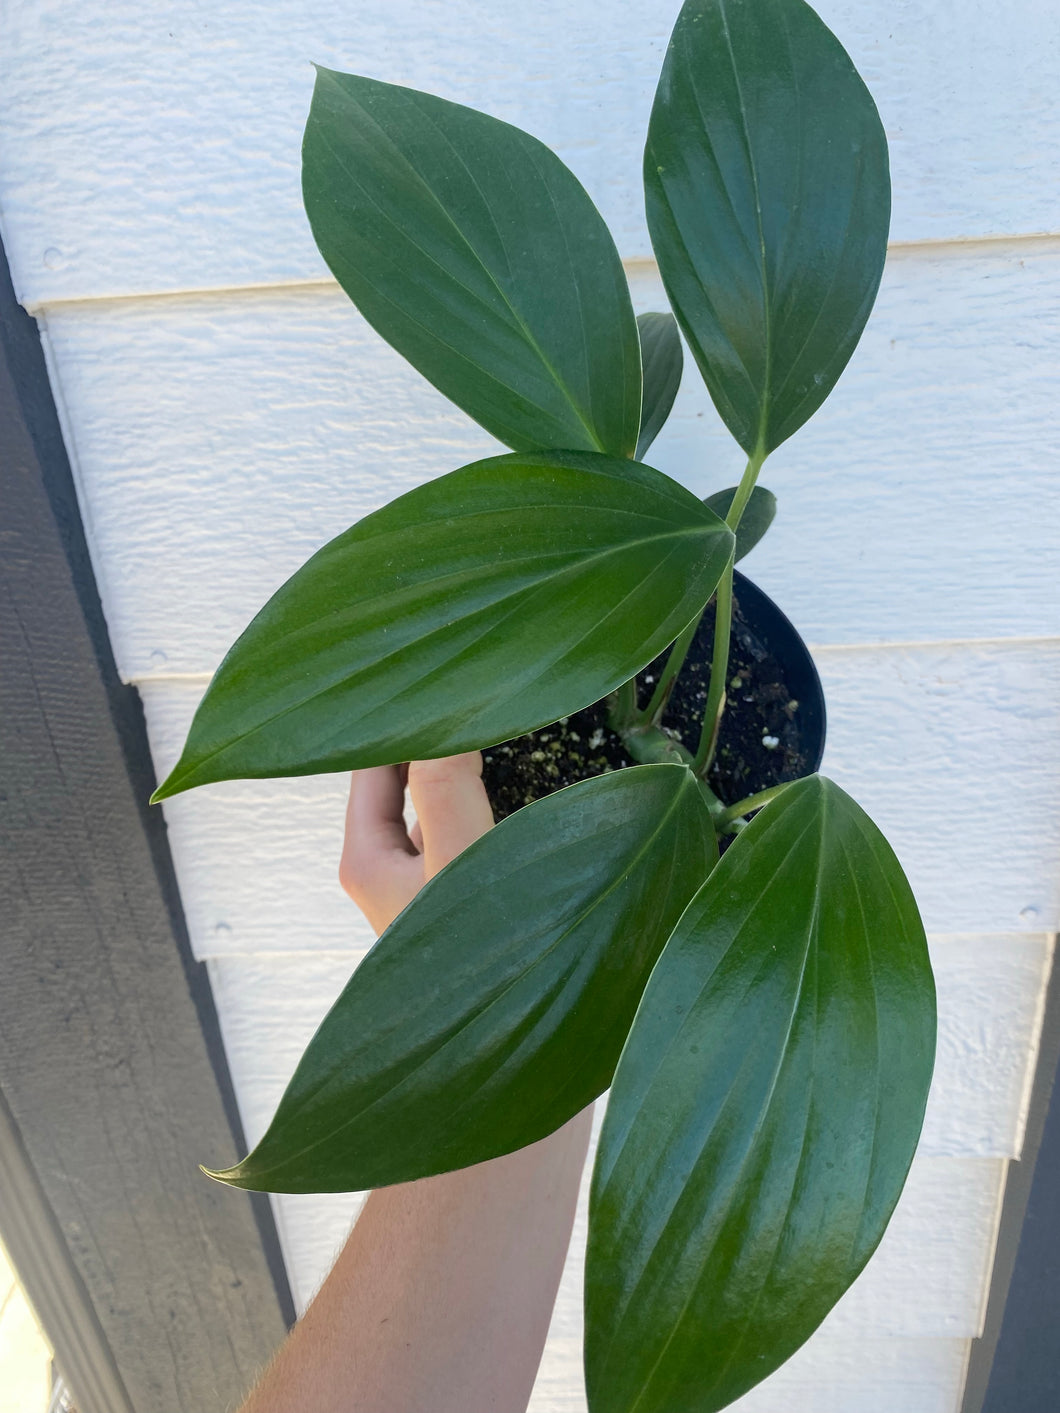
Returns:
(440, 1300)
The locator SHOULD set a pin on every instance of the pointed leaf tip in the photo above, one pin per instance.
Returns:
(226, 1175)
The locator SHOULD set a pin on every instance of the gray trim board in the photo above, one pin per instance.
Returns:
(1015, 1366)
(110, 1058)
(51, 1281)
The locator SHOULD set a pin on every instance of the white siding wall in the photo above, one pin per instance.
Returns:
(226, 411)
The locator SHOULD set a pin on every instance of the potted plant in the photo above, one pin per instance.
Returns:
(765, 1019)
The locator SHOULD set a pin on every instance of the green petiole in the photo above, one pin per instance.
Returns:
(628, 720)
(731, 817)
(671, 671)
(708, 740)
(715, 707)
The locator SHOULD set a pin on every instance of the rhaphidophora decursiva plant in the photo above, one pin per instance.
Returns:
(766, 1022)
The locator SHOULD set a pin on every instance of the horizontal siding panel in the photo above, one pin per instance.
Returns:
(989, 991)
(219, 441)
(258, 867)
(954, 753)
(825, 1376)
(909, 505)
(186, 175)
(913, 734)
(990, 996)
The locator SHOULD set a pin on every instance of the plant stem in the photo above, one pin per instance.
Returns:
(674, 663)
(622, 710)
(734, 813)
(625, 717)
(649, 745)
(746, 486)
(719, 663)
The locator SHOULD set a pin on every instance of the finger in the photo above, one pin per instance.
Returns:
(451, 805)
(376, 840)
(380, 869)
(416, 835)
(375, 818)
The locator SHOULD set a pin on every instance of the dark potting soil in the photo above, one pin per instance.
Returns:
(760, 743)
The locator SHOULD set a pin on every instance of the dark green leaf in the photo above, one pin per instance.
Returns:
(474, 251)
(756, 518)
(495, 1007)
(662, 359)
(479, 606)
(768, 202)
(764, 1113)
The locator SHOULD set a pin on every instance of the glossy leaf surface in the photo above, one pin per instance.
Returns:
(756, 519)
(473, 250)
(494, 1008)
(479, 606)
(662, 359)
(768, 202)
(764, 1112)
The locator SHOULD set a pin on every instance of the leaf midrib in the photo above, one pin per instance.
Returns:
(767, 311)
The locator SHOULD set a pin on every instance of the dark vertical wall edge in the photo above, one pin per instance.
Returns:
(29, 375)
(1014, 1367)
(111, 1060)
(51, 1281)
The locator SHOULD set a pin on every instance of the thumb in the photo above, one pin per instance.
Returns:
(451, 805)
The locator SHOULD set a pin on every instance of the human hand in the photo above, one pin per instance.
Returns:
(441, 1297)
(384, 865)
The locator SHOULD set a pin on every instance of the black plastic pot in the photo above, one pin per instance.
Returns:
(773, 729)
